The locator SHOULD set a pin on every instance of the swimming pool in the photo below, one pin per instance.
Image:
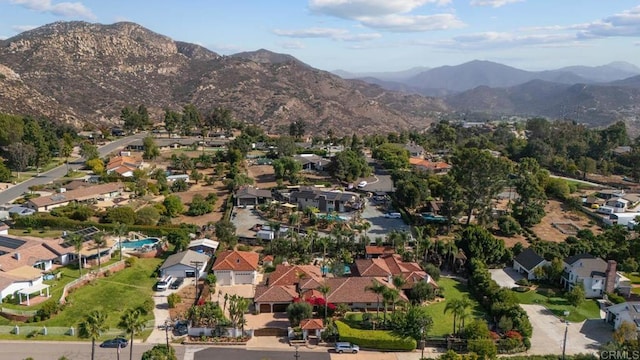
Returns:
(333, 217)
(139, 243)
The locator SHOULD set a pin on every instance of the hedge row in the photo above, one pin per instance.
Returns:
(374, 339)
(40, 221)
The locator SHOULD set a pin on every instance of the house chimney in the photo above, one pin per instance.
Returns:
(389, 279)
(17, 256)
(610, 276)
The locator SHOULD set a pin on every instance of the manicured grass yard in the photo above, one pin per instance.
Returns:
(443, 323)
(123, 290)
(634, 277)
(558, 305)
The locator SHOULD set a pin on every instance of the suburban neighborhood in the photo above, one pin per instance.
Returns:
(376, 246)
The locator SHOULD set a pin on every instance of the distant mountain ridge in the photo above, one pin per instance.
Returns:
(84, 73)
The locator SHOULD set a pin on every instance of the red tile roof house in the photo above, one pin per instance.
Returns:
(46, 203)
(123, 165)
(234, 267)
(288, 282)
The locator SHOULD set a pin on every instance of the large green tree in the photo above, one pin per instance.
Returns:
(478, 243)
(349, 165)
(133, 323)
(481, 176)
(528, 208)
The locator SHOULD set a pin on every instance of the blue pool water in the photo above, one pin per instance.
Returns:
(333, 217)
(139, 243)
(325, 270)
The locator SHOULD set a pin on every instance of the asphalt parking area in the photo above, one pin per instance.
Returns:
(381, 226)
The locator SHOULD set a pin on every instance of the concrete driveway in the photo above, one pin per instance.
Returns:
(548, 333)
(506, 277)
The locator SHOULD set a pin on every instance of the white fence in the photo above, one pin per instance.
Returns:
(43, 331)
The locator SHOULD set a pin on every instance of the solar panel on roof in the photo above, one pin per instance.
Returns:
(11, 243)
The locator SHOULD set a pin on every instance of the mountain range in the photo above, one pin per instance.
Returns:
(81, 73)
(84, 73)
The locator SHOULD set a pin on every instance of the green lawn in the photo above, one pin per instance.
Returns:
(36, 233)
(452, 289)
(123, 290)
(57, 285)
(634, 277)
(558, 305)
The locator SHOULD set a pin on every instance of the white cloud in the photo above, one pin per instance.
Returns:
(62, 9)
(353, 9)
(23, 28)
(389, 15)
(329, 33)
(626, 23)
(493, 3)
(500, 39)
(414, 23)
(292, 45)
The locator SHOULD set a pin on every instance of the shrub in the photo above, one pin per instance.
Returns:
(433, 271)
(521, 289)
(374, 339)
(173, 299)
(615, 298)
(130, 261)
(147, 306)
(523, 282)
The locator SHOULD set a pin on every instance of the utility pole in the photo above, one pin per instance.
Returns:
(166, 332)
(296, 355)
(564, 343)
(196, 265)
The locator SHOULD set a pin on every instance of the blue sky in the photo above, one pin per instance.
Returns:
(372, 35)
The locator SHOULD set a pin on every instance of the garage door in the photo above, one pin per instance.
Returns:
(265, 308)
(243, 278)
(190, 273)
(280, 307)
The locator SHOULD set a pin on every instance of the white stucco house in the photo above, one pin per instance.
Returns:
(234, 267)
(183, 264)
(527, 262)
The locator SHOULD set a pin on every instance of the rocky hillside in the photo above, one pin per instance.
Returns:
(85, 73)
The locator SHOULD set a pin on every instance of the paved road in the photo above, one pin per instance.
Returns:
(588, 183)
(49, 350)
(243, 354)
(16, 191)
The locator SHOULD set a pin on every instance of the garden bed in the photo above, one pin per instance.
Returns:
(196, 340)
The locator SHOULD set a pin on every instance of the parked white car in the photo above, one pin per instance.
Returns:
(362, 184)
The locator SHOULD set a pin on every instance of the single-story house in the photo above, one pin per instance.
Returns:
(312, 162)
(46, 203)
(623, 312)
(234, 267)
(4, 229)
(184, 264)
(415, 150)
(374, 251)
(165, 143)
(248, 195)
(206, 246)
(123, 165)
(434, 167)
(325, 201)
(527, 262)
(21, 211)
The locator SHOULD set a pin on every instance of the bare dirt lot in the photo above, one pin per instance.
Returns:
(263, 175)
(203, 190)
(556, 214)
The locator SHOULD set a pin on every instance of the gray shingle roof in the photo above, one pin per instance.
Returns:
(184, 258)
(529, 259)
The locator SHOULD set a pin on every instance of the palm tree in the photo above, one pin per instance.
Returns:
(77, 241)
(120, 230)
(237, 307)
(92, 327)
(390, 296)
(132, 322)
(378, 289)
(366, 225)
(99, 240)
(465, 304)
(324, 290)
(454, 306)
(399, 282)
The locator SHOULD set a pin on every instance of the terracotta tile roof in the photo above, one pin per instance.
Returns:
(430, 165)
(127, 161)
(313, 293)
(311, 324)
(237, 261)
(379, 250)
(312, 283)
(390, 264)
(78, 194)
(30, 253)
(268, 258)
(354, 290)
(275, 294)
(292, 274)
